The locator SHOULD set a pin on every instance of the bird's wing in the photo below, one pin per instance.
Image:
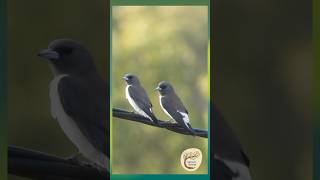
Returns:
(87, 106)
(169, 105)
(222, 172)
(178, 104)
(140, 97)
(245, 158)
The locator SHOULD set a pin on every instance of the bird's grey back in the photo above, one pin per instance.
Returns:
(85, 99)
(176, 102)
(143, 99)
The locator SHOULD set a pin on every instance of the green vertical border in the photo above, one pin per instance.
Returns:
(3, 90)
(160, 3)
(316, 56)
(209, 97)
(110, 84)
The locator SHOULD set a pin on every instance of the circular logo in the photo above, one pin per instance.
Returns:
(191, 159)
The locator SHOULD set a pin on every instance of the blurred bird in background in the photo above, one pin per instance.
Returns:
(229, 160)
(79, 99)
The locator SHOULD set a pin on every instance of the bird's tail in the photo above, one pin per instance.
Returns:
(153, 118)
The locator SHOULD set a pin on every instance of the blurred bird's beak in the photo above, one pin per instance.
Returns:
(125, 78)
(49, 54)
(157, 89)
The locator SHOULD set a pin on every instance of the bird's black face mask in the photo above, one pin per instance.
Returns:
(164, 88)
(130, 79)
(68, 57)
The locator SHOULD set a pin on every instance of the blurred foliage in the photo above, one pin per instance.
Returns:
(156, 44)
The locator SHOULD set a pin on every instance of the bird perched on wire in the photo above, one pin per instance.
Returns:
(230, 161)
(138, 98)
(172, 105)
(79, 99)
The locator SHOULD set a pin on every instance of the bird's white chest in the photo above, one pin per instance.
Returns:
(56, 106)
(165, 111)
(70, 128)
(68, 125)
(131, 101)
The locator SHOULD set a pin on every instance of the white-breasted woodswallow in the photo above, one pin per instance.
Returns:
(138, 98)
(173, 106)
(79, 99)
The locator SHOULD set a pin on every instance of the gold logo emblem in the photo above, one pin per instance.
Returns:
(191, 159)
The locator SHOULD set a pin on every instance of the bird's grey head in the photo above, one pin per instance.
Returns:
(67, 56)
(131, 79)
(164, 88)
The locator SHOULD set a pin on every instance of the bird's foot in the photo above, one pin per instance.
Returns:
(192, 133)
(74, 156)
(75, 159)
(90, 165)
(165, 122)
(78, 159)
(170, 124)
(155, 122)
(101, 170)
(161, 123)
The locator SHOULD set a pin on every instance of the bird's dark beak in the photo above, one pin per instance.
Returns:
(49, 54)
(125, 78)
(157, 89)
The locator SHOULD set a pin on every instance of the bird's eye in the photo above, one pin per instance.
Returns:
(129, 77)
(64, 50)
(163, 86)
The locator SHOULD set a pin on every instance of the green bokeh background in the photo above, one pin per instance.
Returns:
(157, 43)
(262, 82)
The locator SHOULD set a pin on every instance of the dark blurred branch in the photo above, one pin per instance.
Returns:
(37, 165)
(123, 114)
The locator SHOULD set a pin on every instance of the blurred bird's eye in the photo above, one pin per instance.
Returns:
(65, 50)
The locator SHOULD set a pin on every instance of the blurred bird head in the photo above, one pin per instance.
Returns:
(68, 56)
(131, 79)
(164, 88)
